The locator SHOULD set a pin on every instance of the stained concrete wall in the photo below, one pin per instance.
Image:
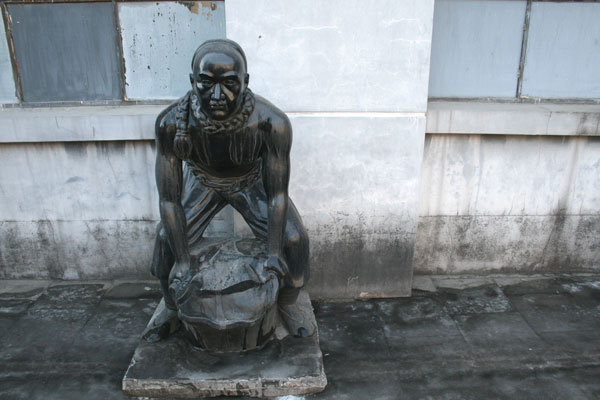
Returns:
(353, 79)
(497, 203)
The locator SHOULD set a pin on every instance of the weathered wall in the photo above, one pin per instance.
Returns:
(353, 79)
(88, 209)
(159, 39)
(497, 203)
(512, 187)
(80, 210)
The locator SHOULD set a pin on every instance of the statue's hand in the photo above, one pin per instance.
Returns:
(276, 265)
(178, 271)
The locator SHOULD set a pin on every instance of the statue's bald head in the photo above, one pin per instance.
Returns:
(219, 77)
(223, 46)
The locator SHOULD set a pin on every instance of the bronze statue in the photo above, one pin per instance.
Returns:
(221, 144)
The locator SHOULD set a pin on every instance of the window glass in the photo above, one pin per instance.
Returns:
(66, 51)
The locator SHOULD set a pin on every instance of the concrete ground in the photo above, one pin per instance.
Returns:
(457, 338)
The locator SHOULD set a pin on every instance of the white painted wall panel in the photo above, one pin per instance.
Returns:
(342, 55)
(159, 40)
(7, 82)
(476, 48)
(355, 183)
(77, 181)
(563, 51)
(366, 165)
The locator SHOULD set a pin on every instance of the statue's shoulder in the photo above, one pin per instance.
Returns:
(274, 124)
(266, 112)
(167, 117)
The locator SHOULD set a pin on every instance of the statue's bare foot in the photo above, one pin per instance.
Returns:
(298, 318)
(164, 323)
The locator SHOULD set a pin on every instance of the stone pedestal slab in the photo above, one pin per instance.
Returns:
(173, 368)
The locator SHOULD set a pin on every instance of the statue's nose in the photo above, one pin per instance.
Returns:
(217, 92)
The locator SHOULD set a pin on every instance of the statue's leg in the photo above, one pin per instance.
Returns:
(200, 205)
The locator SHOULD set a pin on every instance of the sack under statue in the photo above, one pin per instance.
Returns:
(227, 301)
(222, 145)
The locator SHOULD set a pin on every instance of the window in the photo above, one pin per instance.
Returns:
(102, 51)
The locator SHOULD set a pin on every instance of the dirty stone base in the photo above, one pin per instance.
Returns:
(174, 369)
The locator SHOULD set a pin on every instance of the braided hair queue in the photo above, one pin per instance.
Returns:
(182, 145)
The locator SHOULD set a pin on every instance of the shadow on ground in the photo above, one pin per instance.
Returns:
(510, 338)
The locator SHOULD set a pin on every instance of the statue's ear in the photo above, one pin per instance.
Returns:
(246, 79)
(192, 79)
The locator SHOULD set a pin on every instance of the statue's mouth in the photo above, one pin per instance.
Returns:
(218, 106)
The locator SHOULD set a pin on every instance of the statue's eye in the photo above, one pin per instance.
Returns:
(230, 82)
(206, 82)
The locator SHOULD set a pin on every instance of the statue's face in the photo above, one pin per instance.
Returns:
(219, 80)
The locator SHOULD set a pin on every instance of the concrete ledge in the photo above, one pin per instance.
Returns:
(444, 117)
(76, 124)
(113, 123)
(136, 122)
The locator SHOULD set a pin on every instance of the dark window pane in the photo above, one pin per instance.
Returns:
(66, 51)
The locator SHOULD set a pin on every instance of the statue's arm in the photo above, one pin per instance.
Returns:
(169, 182)
(277, 174)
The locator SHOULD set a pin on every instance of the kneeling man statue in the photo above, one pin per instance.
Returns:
(221, 145)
